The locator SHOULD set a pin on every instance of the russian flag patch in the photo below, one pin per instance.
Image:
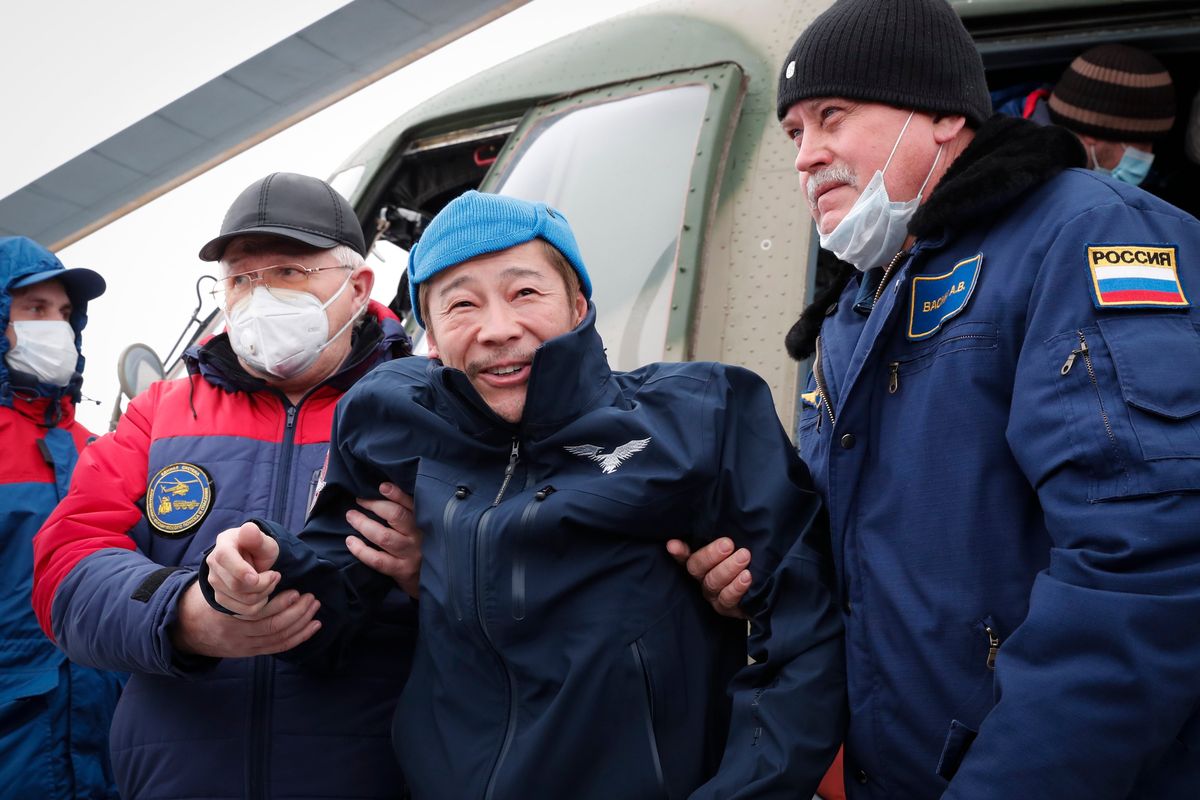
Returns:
(1135, 276)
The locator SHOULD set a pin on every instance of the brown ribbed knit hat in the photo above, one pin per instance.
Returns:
(912, 54)
(1116, 93)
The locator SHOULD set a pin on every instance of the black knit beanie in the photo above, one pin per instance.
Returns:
(911, 54)
(1116, 93)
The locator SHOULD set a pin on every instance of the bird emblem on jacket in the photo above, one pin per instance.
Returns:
(609, 462)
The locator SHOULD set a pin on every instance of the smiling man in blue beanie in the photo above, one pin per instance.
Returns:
(562, 653)
(1003, 418)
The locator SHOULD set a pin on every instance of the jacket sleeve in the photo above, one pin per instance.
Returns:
(1098, 683)
(789, 707)
(316, 560)
(95, 594)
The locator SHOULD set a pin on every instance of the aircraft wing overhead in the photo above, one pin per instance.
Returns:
(330, 59)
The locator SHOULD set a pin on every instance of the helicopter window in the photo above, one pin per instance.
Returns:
(620, 171)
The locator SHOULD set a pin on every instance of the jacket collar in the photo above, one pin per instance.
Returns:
(48, 412)
(569, 376)
(1008, 158)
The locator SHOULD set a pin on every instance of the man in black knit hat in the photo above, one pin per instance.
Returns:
(1002, 417)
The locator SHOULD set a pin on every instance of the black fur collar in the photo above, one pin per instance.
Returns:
(1007, 158)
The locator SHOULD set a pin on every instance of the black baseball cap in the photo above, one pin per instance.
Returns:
(297, 207)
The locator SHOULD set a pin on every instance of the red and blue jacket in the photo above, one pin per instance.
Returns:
(54, 715)
(191, 458)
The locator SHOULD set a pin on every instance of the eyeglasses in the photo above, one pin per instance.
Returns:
(286, 276)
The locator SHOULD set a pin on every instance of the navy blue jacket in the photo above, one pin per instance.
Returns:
(190, 458)
(54, 715)
(1009, 443)
(562, 653)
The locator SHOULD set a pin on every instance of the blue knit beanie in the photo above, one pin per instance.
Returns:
(476, 223)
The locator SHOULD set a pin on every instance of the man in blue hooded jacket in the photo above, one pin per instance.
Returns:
(561, 652)
(54, 715)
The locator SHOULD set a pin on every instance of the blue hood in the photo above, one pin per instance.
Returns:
(21, 257)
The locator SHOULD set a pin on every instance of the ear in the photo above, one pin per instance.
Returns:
(433, 348)
(946, 127)
(362, 281)
(580, 308)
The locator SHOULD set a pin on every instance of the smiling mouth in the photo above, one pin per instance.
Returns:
(500, 375)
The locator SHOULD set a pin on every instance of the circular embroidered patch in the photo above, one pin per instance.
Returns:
(178, 499)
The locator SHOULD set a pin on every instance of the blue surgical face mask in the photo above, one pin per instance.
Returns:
(876, 226)
(1133, 167)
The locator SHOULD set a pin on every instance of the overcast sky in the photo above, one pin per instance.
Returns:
(74, 73)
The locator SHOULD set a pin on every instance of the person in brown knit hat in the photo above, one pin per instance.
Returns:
(1119, 101)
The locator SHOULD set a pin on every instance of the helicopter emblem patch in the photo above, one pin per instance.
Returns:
(178, 499)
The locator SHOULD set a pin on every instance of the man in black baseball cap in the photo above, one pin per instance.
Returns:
(290, 206)
(245, 434)
(996, 419)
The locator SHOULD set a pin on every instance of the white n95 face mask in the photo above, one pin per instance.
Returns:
(875, 227)
(282, 332)
(44, 349)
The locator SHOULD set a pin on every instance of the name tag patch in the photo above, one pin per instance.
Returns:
(1135, 276)
(937, 298)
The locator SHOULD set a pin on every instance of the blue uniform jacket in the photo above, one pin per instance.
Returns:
(562, 653)
(54, 715)
(1008, 439)
(190, 458)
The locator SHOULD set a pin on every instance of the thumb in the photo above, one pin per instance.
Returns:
(679, 550)
(258, 548)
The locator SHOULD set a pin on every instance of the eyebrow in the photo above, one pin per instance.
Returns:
(42, 299)
(507, 273)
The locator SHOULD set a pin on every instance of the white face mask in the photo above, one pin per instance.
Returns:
(44, 349)
(282, 331)
(875, 227)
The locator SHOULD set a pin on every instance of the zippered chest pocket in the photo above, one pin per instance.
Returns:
(1131, 387)
(961, 338)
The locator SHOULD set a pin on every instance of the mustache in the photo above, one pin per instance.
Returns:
(838, 173)
(507, 356)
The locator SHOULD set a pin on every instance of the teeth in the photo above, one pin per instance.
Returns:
(504, 370)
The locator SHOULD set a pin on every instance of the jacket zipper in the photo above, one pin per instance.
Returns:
(817, 372)
(993, 646)
(887, 273)
(481, 531)
(513, 457)
(528, 515)
(819, 377)
(894, 367)
(639, 658)
(264, 666)
(1084, 351)
(448, 515)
